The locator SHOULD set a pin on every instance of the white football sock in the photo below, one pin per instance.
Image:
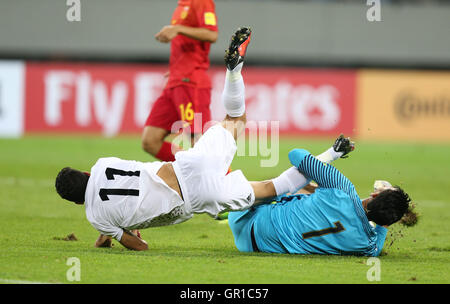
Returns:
(291, 180)
(329, 156)
(233, 95)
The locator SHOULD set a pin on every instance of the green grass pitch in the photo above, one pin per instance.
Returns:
(33, 220)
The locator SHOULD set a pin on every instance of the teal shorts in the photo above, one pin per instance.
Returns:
(241, 224)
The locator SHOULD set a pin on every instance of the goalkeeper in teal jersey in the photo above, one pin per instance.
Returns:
(330, 220)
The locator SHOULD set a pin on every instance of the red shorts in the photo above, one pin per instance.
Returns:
(179, 107)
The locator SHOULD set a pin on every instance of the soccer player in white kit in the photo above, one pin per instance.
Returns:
(121, 196)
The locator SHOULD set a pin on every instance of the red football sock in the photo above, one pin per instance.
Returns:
(165, 153)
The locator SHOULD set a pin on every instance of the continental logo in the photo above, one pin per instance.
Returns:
(409, 106)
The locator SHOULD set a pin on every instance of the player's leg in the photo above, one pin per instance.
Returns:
(158, 127)
(216, 143)
(153, 142)
(233, 95)
(202, 169)
(202, 113)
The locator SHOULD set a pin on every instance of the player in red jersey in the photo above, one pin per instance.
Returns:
(188, 90)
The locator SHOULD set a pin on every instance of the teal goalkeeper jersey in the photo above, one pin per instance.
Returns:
(330, 221)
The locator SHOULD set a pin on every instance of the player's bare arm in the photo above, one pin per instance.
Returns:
(308, 189)
(169, 32)
(103, 241)
(133, 242)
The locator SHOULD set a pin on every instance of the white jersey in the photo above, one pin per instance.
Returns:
(202, 175)
(125, 194)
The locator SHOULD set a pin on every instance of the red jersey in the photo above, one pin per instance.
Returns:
(189, 58)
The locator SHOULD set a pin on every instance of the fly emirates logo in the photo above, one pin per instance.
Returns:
(117, 101)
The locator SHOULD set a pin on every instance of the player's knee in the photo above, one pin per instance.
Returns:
(297, 155)
(151, 144)
(152, 139)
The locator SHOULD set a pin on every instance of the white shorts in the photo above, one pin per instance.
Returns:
(202, 175)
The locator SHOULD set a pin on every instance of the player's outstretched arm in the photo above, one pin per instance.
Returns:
(132, 241)
(323, 174)
(198, 33)
(292, 180)
(169, 32)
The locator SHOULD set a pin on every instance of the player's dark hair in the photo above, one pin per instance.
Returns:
(388, 207)
(71, 184)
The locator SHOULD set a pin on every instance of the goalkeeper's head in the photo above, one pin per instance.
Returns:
(71, 184)
(388, 206)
